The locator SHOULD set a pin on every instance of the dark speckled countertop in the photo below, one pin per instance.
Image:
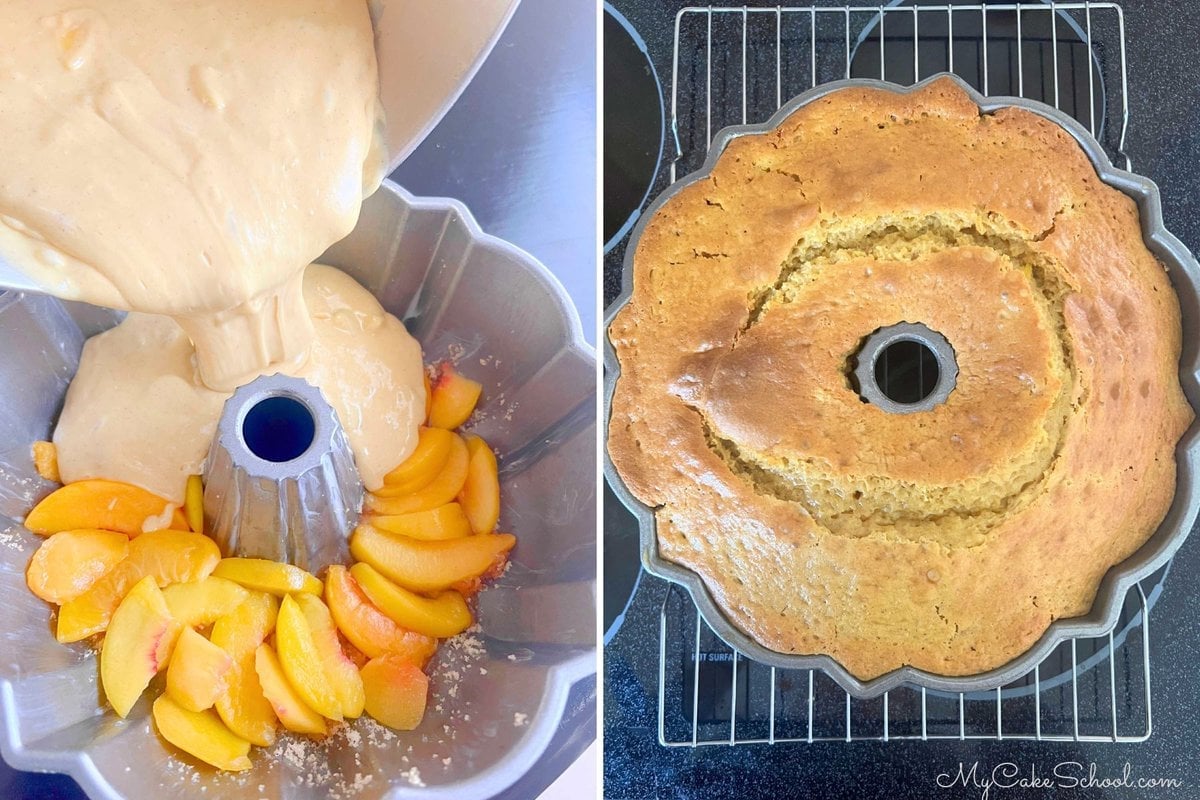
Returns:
(1164, 98)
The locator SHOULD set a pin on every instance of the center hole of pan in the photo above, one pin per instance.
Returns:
(906, 371)
(279, 428)
(903, 368)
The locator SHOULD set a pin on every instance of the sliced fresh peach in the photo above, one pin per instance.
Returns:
(442, 616)
(239, 633)
(353, 653)
(471, 586)
(69, 562)
(108, 505)
(168, 556)
(179, 521)
(272, 577)
(199, 603)
(197, 674)
(428, 566)
(201, 734)
(420, 468)
(193, 504)
(368, 628)
(45, 460)
(480, 495)
(289, 707)
(441, 490)
(443, 522)
(396, 691)
(342, 674)
(302, 661)
(138, 644)
(454, 398)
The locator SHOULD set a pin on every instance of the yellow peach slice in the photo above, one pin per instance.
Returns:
(201, 734)
(138, 644)
(396, 692)
(368, 628)
(441, 490)
(428, 566)
(196, 676)
(420, 468)
(444, 522)
(342, 674)
(179, 521)
(199, 603)
(264, 575)
(45, 460)
(168, 556)
(108, 505)
(442, 616)
(244, 708)
(193, 504)
(302, 661)
(69, 562)
(480, 495)
(293, 713)
(454, 398)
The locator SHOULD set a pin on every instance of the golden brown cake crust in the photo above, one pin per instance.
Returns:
(950, 539)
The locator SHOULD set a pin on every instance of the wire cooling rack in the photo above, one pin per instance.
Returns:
(737, 65)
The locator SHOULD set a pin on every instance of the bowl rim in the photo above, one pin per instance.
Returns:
(533, 740)
(1156, 551)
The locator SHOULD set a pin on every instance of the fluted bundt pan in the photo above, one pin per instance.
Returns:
(499, 695)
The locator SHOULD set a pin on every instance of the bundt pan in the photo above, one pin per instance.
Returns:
(496, 701)
(1158, 549)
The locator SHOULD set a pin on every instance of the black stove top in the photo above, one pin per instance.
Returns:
(699, 680)
(633, 126)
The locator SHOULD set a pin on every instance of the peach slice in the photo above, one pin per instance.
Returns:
(420, 468)
(396, 691)
(244, 708)
(108, 505)
(368, 628)
(199, 603)
(291, 710)
(441, 490)
(272, 577)
(45, 460)
(454, 398)
(442, 616)
(428, 566)
(193, 504)
(168, 556)
(69, 562)
(480, 495)
(353, 653)
(443, 522)
(342, 674)
(201, 734)
(196, 676)
(302, 661)
(138, 644)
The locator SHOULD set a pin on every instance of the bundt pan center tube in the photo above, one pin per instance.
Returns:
(280, 481)
(1025, 314)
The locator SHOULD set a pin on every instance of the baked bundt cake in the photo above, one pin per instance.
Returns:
(947, 539)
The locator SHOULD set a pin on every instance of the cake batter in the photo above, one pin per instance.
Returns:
(186, 162)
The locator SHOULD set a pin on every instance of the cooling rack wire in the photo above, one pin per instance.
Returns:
(737, 65)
